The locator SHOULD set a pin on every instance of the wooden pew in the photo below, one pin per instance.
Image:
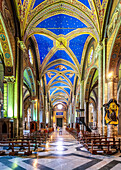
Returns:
(12, 145)
(107, 146)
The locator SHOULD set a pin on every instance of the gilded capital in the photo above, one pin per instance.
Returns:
(9, 79)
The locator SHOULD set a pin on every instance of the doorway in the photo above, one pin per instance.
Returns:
(59, 122)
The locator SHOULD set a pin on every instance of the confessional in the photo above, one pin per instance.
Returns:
(6, 128)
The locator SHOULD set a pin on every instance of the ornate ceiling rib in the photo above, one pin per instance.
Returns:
(61, 46)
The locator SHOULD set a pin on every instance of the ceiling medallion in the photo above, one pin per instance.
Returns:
(61, 42)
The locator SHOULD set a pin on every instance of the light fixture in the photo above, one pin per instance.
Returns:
(60, 106)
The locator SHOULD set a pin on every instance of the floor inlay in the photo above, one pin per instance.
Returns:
(62, 152)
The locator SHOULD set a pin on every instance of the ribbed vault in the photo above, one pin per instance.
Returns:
(61, 28)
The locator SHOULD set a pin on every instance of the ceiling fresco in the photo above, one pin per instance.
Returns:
(61, 24)
(61, 29)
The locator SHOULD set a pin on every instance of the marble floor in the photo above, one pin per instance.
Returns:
(62, 152)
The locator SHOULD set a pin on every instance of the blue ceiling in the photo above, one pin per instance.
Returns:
(48, 78)
(44, 44)
(71, 78)
(69, 75)
(85, 2)
(56, 66)
(61, 54)
(59, 24)
(77, 45)
(59, 84)
(59, 91)
(37, 2)
(101, 1)
(60, 78)
(22, 1)
(51, 90)
(68, 90)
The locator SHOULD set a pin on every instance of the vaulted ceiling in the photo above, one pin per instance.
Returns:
(60, 29)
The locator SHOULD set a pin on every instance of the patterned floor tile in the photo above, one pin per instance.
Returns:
(62, 152)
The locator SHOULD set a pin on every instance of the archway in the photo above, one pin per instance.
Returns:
(29, 99)
(59, 114)
(91, 99)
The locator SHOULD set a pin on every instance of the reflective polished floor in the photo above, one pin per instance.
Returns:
(62, 152)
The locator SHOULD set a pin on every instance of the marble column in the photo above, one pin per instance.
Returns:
(100, 89)
(67, 116)
(74, 111)
(49, 116)
(86, 112)
(5, 101)
(9, 96)
(38, 114)
(44, 111)
(18, 88)
(119, 116)
(94, 117)
(112, 94)
(70, 115)
(82, 97)
(104, 84)
(33, 114)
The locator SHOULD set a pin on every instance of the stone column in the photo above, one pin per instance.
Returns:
(9, 96)
(49, 116)
(67, 116)
(104, 83)
(119, 116)
(18, 88)
(33, 114)
(112, 94)
(100, 89)
(38, 114)
(44, 111)
(112, 87)
(5, 101)
(86, 113)
(70, 115)
(94, 117)
(82, 97)
(31, 110)
(74, 110)
(36, 110)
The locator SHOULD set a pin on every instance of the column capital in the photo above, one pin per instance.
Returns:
(21, 44)
(9, 79)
